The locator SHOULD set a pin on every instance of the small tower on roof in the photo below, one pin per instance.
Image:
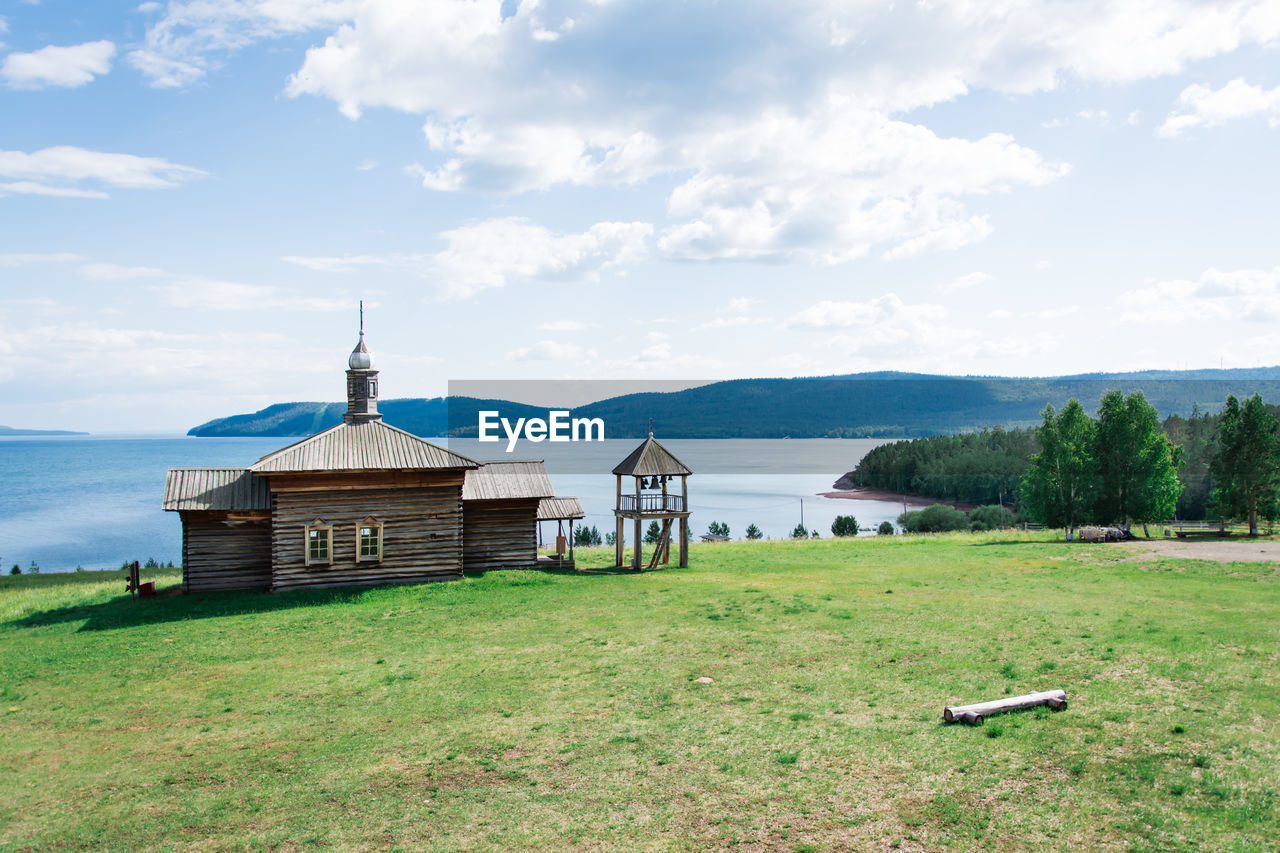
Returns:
(653, 469)
(362, 382)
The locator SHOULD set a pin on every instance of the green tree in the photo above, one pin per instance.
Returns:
(1058, 489)
(844, 525)
(753, 532)
(1137, 464)
(1246, 468)
(885, 529)
(653, 533)
(801, 532)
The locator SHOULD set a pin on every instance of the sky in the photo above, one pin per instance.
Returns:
(194, 195)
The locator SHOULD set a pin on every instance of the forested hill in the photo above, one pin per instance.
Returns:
(852, 406)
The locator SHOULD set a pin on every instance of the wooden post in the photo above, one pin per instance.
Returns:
(617, 541)
(635, 562)
(571, 562)
(684, 521)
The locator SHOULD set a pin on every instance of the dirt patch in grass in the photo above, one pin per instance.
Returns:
(1215, 550)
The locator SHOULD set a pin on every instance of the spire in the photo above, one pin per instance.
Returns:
(650, 427)
(360, 358)
(362, 382)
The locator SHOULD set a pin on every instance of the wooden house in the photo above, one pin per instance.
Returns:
(363, 503)
(500, 514)
(560, 510)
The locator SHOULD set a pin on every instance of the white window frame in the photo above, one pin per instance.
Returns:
(320, 527)
(378, 527)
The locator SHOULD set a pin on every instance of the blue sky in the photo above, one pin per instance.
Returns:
(194, 195)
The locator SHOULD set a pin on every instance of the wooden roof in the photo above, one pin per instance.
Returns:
(649, 459)
(361, 446)
(556, 509)
(214, 489)
(515, 480)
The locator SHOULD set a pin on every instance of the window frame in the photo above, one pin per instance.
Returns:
(318, 526)
(378, 527)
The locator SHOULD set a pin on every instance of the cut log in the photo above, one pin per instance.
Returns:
(973, 715)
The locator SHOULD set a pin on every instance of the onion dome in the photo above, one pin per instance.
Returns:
(360, 358)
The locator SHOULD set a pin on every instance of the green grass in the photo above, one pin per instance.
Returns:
(555, 711)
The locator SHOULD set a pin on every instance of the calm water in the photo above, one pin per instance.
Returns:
(95, 502)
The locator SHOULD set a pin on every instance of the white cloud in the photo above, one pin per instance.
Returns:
(114, 272)
(66, 67)
(550, 351)
(887, 309)
(966, 281)
(1216, 295)
(62, 170)
(782, 129)
(196, 293)
(1200, 106)
(729, 323)
(562, 326)
(185, 43)
(494, 252)
(21, 259)
(351, 263)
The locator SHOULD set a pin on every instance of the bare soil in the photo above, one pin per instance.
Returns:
(1218, 550)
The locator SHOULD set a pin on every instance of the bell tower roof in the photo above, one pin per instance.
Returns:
(362, 382)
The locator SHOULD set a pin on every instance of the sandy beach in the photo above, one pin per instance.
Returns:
(912, 501)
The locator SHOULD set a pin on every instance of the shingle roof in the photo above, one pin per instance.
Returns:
(214, 489)
(361, 446)
(555, 509)
(649, 459)
(513, 480)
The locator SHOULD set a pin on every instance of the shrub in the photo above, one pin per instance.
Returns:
(885, 529)
(991, 517)
(933, 519)
(753, 532)
(801, 532)
(716, 528)
(16, 570)
(844, 525)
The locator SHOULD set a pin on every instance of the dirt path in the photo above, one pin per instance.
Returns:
(1218, 550)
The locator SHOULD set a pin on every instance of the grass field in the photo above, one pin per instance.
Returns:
(561, 711)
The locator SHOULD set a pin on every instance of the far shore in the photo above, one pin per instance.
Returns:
(912, 501)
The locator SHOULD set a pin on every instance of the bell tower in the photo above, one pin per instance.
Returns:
(362, 382)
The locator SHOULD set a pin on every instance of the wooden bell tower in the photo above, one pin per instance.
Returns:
(650, 496)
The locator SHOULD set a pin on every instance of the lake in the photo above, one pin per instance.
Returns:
(94, 501)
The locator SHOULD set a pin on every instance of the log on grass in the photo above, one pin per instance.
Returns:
(974, 714)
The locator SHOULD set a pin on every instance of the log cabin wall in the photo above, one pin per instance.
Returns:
(421, 518)
(500, 535)
(225, 550)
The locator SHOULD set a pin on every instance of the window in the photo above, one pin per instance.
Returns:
(369, 540)
(319, 543)
(373, 387)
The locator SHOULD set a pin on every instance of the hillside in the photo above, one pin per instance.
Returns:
(855, 406)
(7, 430)
(525, 710)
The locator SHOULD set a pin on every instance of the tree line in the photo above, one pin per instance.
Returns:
(1122, 467)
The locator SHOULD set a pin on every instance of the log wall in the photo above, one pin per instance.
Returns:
(421, 531)
(500, 535)
(223, 550)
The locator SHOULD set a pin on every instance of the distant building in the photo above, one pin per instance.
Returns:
(362, 503)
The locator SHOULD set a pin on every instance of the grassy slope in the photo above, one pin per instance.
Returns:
(524, 709)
